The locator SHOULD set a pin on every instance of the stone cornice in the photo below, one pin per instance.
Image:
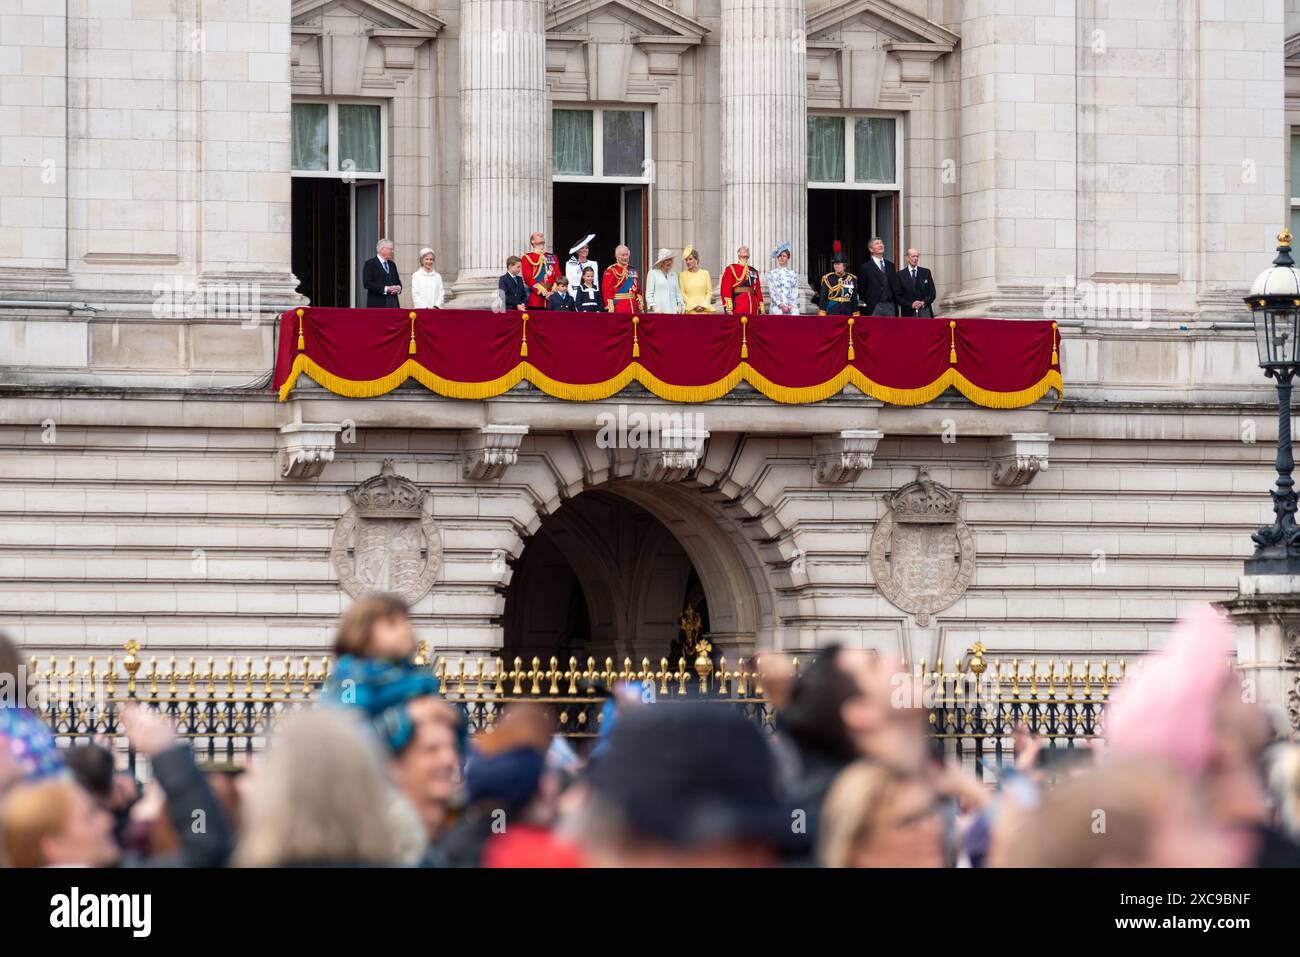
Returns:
(885, 14)
(670, 20)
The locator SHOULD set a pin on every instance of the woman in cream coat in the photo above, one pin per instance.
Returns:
(426, 283)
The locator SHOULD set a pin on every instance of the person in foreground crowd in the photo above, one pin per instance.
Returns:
(690, 785)
(741, 289)
(916, 288)
(782, 284)
(837, 294)
(878, 282)
(586, 294)
(578, 262)
(29, 742)
(511, 288)
(696, 283)
(540, 270)
(381, 278)
(560, 300)
(426, 283)
(875, 816)
(53, 821)
(620, 287)
(663, 290)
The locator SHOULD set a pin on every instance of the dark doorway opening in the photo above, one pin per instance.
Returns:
(852, 216)
(617, 213)
(335, 227)
(322, 215)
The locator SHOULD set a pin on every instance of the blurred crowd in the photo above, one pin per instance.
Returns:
(382, 772)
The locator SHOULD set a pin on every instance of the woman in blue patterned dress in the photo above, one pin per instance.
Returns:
(782, 284)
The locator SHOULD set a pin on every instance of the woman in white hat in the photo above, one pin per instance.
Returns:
(578, 261)
(426, 283)
(663, 294)
(782, 283)
(696, 283)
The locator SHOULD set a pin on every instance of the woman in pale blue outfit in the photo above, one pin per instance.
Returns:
(782, 284)
(662, 292)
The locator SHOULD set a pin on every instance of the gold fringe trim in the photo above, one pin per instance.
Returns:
(635, 372)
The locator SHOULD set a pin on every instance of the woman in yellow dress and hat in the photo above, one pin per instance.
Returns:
(696, 283)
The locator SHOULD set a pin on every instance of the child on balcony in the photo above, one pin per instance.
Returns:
(376, 670)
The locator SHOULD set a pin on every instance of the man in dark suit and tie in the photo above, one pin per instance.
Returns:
(878, 283)
(917, 287)
(381, 279)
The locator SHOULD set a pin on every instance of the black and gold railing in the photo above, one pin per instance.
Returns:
(228, 707)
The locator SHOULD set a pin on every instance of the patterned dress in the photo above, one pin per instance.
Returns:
(783, 288)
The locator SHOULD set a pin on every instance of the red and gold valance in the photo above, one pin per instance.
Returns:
(470, 354)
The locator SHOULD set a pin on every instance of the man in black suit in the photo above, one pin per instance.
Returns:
(917, 287)
(878, 283)
(381, 279)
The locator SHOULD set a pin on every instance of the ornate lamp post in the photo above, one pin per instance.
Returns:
(1274, 303)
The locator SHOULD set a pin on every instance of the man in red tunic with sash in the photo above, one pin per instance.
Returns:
(740, 289)
(620, 286)
(540, 270)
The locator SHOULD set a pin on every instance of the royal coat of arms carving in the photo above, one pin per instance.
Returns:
(386, 541)
(922, 553)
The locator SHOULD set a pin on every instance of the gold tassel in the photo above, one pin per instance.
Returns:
(744, 337)
(523, 346)
(1055, 358)
(952, 333)
(411, 350)
(302, 343)
(851, 355)
(636, 343)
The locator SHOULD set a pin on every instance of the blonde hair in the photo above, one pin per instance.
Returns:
(852, 810)
(321, 797)
(1284, 783)
(30, 814)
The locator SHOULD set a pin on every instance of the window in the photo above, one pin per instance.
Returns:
(858, 152)
(600, 144)
(1295, 184)
(338, 139)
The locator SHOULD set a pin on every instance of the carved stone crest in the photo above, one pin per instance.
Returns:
(386, 541)
(922, 553)
(1291, 671)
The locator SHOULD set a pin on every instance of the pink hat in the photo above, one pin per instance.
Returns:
(1166, 711)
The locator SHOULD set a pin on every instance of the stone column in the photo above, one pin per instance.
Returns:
(764, 131)
(1266, 613)
(503, 122)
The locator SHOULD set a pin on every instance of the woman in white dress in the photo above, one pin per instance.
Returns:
(662, 292)
(578, 261)
(426, 283)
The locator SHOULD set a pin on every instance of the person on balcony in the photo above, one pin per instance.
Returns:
(381, 278)
(917, 287)
(560, 300)
(426, 283)
(540, 270)
(696, 283)
(578, 261)
(587, 296)
(837, 294)
(878, 282)
(741, 290)
(783, 283)
(663, 291)
(621, 286)
(511, 287)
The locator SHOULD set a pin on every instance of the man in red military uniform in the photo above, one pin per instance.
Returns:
(740, 289)
(540, 270)
(620, 286)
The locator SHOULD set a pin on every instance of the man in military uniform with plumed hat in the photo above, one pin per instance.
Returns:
(838, 294)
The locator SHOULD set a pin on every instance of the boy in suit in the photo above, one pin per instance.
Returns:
(560, 300)
(514, 293)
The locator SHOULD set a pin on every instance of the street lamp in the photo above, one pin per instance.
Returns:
(1274, 303)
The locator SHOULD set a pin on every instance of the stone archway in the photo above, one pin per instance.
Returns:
(608, 573)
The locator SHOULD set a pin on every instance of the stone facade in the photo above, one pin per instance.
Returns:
(1122, 169)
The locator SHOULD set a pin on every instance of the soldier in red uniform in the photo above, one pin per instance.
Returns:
(540, 270)
(740, 289)
(620, 286)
